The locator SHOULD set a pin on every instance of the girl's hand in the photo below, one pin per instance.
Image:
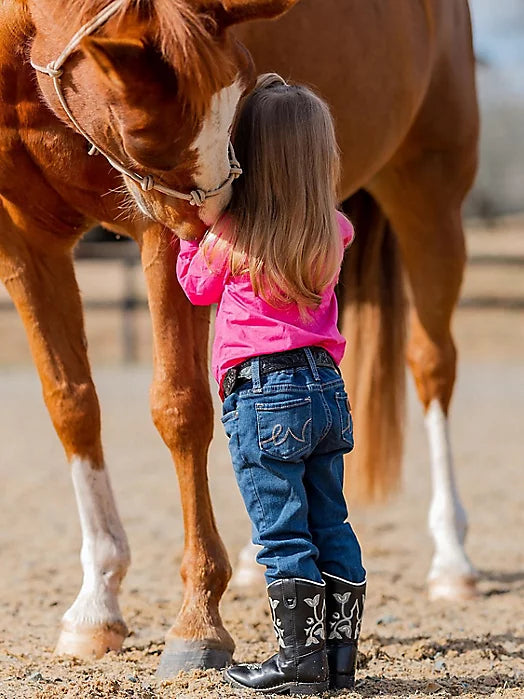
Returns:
(194, 231)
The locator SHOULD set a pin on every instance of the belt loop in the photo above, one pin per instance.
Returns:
(311, 362)
(255, 375)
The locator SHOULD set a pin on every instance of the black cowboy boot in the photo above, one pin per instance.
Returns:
(298, 609)
(344, 608)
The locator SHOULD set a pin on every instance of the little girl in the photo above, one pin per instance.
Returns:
(271, 264)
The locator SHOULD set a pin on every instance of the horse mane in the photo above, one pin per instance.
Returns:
(185, 38)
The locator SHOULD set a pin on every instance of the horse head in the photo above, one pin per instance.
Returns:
(154, 86)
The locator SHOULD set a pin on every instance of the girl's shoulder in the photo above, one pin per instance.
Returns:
(346, 229)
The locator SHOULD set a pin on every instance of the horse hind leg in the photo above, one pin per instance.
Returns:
(429, 229)
(432, 359)
(43, 287)
(452, 575)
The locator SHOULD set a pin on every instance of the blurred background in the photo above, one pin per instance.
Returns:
(499, 45)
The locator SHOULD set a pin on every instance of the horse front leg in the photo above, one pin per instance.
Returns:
(183, 414)
(42, 284)
(93, 625)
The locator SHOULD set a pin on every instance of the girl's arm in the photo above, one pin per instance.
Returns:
(202, 282)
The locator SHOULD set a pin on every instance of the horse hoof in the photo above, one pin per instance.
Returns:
(179, 655)
(90, 642)
(453, 589)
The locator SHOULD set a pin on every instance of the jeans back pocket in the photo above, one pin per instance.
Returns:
(345, 419)
(284, 428)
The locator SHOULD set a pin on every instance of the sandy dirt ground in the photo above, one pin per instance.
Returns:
(410, 647)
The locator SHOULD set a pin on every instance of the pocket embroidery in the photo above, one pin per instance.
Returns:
(284, 428)
(278, 429)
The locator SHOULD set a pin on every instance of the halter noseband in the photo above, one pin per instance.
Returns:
(54, 70)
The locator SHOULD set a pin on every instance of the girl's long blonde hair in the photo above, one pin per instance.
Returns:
(281, 221)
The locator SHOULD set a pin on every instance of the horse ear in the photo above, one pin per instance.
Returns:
(115, 59)
(231, 12)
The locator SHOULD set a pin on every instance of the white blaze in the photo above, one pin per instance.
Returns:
(211, 145)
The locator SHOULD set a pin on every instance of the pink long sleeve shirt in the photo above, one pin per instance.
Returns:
(246, 325)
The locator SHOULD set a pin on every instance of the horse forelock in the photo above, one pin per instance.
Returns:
(186, 39)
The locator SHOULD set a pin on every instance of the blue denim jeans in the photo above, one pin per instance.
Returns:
(288, 432)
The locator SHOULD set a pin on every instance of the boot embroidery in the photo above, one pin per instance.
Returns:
(315, 625)
(358, 622)
(277, 624)
(344, 623)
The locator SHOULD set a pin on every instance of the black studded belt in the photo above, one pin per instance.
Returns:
(275, 362)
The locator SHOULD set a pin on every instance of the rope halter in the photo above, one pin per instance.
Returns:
(54, 70)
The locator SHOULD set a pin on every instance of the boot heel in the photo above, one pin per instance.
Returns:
(315, 688)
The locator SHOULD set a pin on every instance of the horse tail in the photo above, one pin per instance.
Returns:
(373, 319)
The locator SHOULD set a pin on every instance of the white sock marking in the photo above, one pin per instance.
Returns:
(447, 517)
(105, 553)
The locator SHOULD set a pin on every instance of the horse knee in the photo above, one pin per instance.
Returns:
(182, 416)
(75, 413)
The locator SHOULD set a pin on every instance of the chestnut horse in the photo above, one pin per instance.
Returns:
(152, 85)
